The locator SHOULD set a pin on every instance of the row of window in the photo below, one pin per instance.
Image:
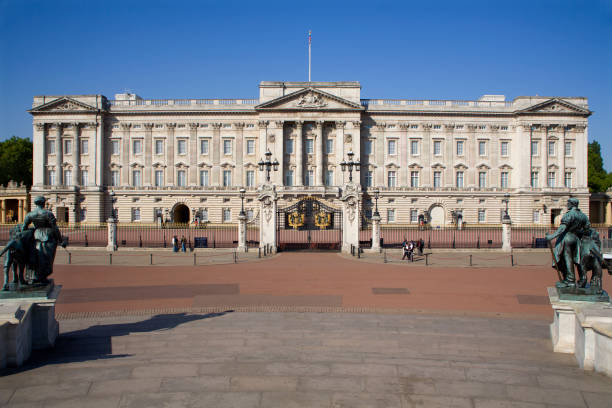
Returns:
(181, 146)
(183, 126)
(67, 148)
(414, 215)
(52, 178)
(551, 179)
(552, 148)
(202, 215)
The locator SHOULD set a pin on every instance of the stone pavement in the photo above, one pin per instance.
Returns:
(309, 360)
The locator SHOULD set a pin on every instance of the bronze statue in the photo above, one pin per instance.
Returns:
(32, 249)
(577, 247)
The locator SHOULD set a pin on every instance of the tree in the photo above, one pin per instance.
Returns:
(16, 161)
(599, 179)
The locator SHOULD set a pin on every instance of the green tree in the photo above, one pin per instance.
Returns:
(16, 161)
(599, 179)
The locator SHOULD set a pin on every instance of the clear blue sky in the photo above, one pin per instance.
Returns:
(404, 49)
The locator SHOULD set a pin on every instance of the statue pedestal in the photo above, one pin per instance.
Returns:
(583, 328)
(27, 322)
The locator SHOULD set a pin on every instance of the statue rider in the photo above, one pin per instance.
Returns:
(567, 251)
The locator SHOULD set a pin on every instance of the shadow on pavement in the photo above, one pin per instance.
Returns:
(95, 342)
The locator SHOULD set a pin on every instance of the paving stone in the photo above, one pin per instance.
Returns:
(470, 389)
(232, 368)
(338, 384)
(26, 405)
(297, 368)
(97, 374)
(369, 369)
(114, 387)
(10, 380)
(494, 403)
(166, 370)
(295, 400)
(443, 373)
(263, 383)
(432, 401)
(6, 394)
(597, 399)
(195, 384)
(499, 376)
(545, 395)
(86, 402)
(49, 392)
(586, 382)
(362, 400)
(399, 385)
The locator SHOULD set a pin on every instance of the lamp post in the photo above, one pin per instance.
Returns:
(376, 196)
(112, 197)
(112, 226)
(348, 165)
(268, 165)
(506, 201)
(242, 193)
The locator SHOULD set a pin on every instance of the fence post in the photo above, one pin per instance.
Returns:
(140, 240)
(110, 259)
(427, 259)
(470, 259)
(259, 254)
(165, 241)
(265, 247)
(358, 252)
(235, 257)
(511, 259)
(194, 258)
(385, 257)
(86, 242)
(151, 259)
(69, 258)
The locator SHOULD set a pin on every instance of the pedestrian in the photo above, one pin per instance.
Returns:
(421, 246)
(183, 244)
(406, 249)
(411, 247)
(175, 243)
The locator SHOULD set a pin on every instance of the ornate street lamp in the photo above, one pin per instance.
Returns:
(506, 201)
(376, 196)
(242, 193)
(348, 165)
(268, 165)
(112, 197)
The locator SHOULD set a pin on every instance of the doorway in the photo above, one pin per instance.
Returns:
(180, 214)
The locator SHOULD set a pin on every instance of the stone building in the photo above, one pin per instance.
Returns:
(182, 159)
(14, 203)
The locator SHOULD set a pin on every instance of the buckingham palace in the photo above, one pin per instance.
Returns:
(432, 161)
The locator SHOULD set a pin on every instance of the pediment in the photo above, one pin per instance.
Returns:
(309, 99)
(556, 105)
(64, 104)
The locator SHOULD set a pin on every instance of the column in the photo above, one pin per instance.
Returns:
(299, 154)
(2, 211)
(494, 156)
(193, 155)
(425, 178)
(242, 247)
(356, 144)
(20, 211)
(148, 154)
(506, 234)
(561, 155)
(278, 152)
(450, 151)
(319, 152)
(403, 147)
(239, 177)
(521, 157)
(608, 219)
(59, 149)
(39, 155)
(125, 154)
(216, 156)
(170, 154)
(376, 233)
(77, 154)
(545, 155)
(379, 151)
(339, 153)
(99, 165)
(470, 152)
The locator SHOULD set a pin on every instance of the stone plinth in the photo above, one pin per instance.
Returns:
(350, 217)
(27, 323)
(506, 235)
(584, 329)
(112, 234)
(375, 233)
(242, 236)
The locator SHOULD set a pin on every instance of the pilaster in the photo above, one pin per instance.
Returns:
(278, 150)
(125, 154)
(299, 154)
(379, 151)
(561, 155)
(77, 154)
(350, 216)
(470, 152)
(193, 155)
(216, 156)
(544, 172)
(319, 152)
(59, 150)
(39, 155)
(239, 154)
(339, 152)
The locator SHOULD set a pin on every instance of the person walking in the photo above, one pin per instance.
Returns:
(183, 244)
(406, 249)
(175, 243)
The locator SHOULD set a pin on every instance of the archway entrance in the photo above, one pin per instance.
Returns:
(437, 216)
(180, 214)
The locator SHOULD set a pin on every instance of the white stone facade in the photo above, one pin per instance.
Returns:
(182, 159)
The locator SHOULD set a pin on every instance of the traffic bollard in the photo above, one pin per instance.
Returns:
(427, 259)
(512, 260)
(69, 258)
(110, 259)
(470, 260)
(150, 259)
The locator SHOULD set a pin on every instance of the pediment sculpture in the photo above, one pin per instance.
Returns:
(311, 100)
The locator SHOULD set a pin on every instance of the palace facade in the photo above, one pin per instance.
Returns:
(186, 159)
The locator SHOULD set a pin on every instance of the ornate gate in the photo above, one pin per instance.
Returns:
(309, 225)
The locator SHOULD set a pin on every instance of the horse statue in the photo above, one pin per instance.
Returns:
(18, 257)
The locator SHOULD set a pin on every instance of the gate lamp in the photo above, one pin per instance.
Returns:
(376, 196)
(268, 165)
(242, 192)
(348, 165)
(506, 201)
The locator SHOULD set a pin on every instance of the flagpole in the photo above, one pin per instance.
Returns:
(309, 42)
